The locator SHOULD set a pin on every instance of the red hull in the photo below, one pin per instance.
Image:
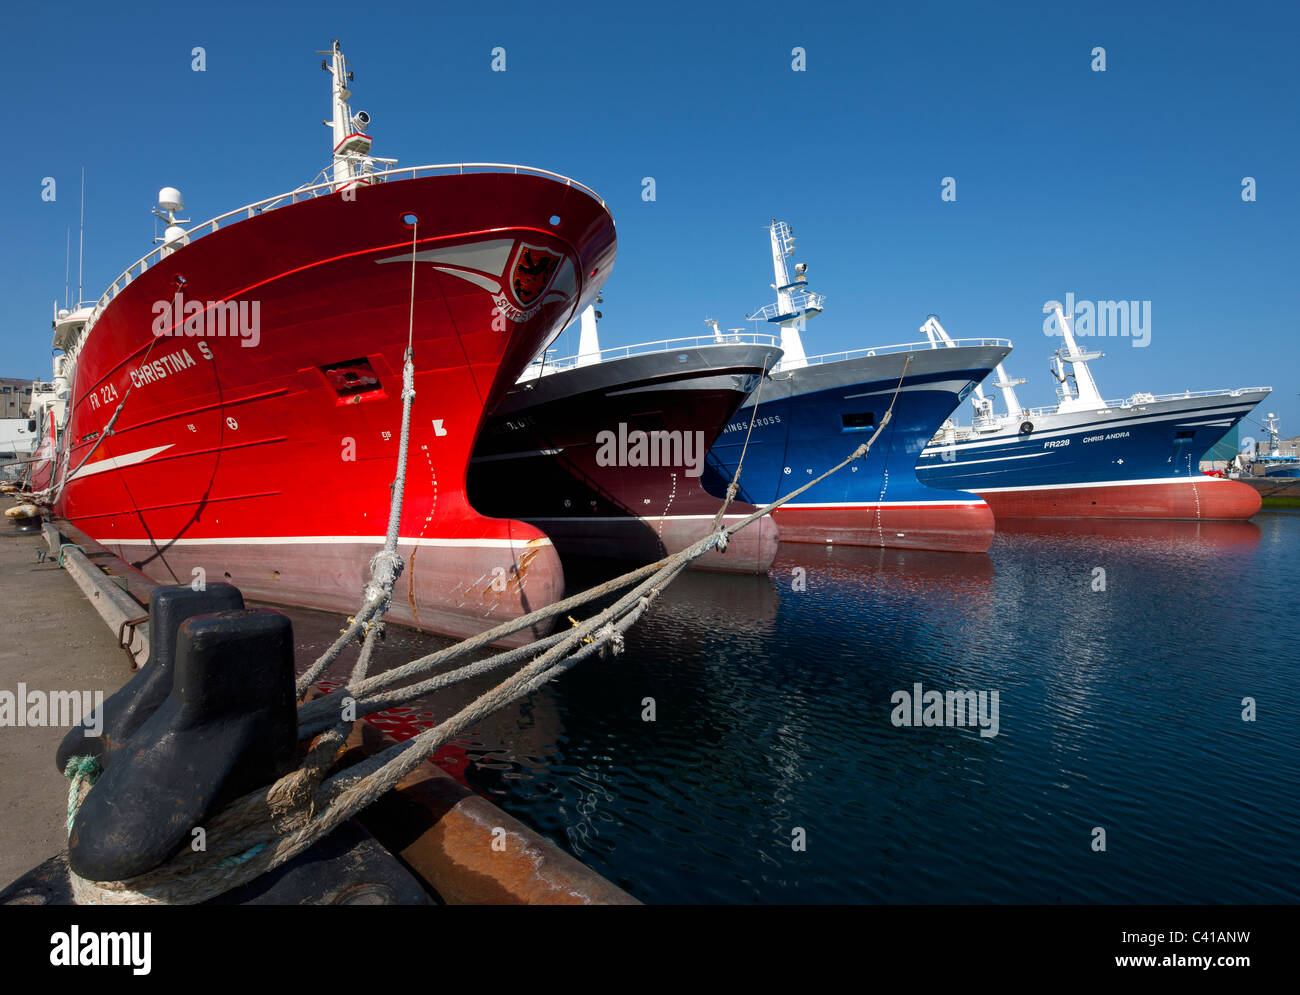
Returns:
(263, 467)
(958, 527)
(1194, 498)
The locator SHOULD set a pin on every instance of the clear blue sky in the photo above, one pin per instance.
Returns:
(1123, 184)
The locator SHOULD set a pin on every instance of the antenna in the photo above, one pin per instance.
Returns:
(67, 264)
(81, 242)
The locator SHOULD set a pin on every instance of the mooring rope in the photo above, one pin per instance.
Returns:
(269, 826)
(81, 772)
(734, 486)
(290, 816)
(56, 487)
(386, 565)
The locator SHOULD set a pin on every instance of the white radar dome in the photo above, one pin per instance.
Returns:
(169, 199)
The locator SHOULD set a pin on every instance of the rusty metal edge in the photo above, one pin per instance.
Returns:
(472, 853)
(119, 610)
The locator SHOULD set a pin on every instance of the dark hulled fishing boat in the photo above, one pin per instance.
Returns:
(604, 451)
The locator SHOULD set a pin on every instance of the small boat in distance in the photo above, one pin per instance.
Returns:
(814, 411)
(1274, 463)
(1086, 457)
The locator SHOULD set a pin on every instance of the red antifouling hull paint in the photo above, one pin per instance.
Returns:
(1207, 498)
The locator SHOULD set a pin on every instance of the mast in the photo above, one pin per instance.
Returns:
(794, 304)
(938, 336)
(588, 338)
(1086, 393)
(1274, 446)
(352, 160)
(81, 239)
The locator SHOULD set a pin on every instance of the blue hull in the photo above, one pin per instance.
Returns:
(1085, 448)
(1137, 459)
(811, 418)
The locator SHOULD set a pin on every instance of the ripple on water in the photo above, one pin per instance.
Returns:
(1119, 709)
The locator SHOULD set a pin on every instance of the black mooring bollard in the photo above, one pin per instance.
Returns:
(128, 707)
(228, 726)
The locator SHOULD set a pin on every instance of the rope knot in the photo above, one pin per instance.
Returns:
(408, 380)
(722, 541)
(611, 640)
(292, 794)
(385, 567)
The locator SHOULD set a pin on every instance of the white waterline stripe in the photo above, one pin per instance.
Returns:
(851, 505)
(633, 518)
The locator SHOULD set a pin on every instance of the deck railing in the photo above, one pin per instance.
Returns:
(324, 189)
(543, 367)
(800, 303)
(1137, 400)
(883, 350)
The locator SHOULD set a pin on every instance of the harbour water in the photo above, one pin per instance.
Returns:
(1121, 653)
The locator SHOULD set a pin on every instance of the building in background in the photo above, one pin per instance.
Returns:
(15, 396)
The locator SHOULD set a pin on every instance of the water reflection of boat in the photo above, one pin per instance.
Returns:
(879, 599)
(867, 566)
(727, 603)
(737, 603)
(1166, 534)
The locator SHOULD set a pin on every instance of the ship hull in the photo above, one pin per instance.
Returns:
(1289, 469)
(1204, 497)
(811, 418)
(266, 460)
(1135, 461)
(541, 459)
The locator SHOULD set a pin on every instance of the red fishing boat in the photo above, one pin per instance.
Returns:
(235, 396)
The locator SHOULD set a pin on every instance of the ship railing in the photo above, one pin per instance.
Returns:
(540, 367)
(800, 303)
(884, 350)
(1138, 400)
(314, 190)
